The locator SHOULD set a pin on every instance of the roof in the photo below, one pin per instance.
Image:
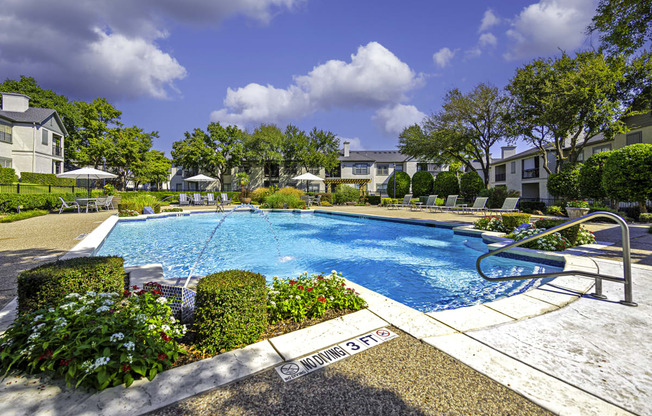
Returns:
(32, 115)
(534, 151)
(15, 94)
(379, 156)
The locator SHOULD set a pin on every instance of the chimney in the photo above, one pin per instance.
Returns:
(12, 101)
(507, 151)
(346, 149)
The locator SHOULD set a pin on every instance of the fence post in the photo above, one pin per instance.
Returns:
(49, 189)
(18, 188)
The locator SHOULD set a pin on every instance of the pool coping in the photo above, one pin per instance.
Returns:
(434, 328)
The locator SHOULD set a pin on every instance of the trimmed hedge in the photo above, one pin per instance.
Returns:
(48, 202)
(498, 195)
(372, 199)
(422, 182)
(511, 220)
(402, 186)
(325, 196)
(446, 184)
(529, 206)
(8, 176)
(230, 310)
(570, 233)
(48, 284)
(565, 183)
(46, 179)
(645, 218)
(471, 184)
(590, 178)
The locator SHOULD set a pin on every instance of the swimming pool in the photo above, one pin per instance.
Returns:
(426, 268)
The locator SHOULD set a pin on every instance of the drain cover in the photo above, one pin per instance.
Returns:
(81, 236)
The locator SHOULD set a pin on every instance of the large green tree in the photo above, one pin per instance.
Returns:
(623, 25)
(153, 168)
(561, 103)
(95, 133)
(318, 148)
(128, 152)
(463, 131)
(264, 147)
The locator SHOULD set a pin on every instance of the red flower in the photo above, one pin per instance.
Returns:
(300, 287)
(126, 293)
(64, 362)
(163, 357)
(134, 287)
(140, 292)
(320, 277)
(126, 367)
(343, 284)
(292, 282)
(46, 354)
(309, 289)
(156, 292)
(165, 336)
(321, 299)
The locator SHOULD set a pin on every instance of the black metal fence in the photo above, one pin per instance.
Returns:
(20, 188)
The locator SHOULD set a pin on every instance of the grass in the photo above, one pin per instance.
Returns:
(23, 215)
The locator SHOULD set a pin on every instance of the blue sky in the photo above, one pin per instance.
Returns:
(362, 69)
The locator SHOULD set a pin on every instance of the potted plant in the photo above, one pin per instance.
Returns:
(243, 180)
(577, 208)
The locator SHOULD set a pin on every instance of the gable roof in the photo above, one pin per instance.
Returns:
(33, 115)
(378, 156)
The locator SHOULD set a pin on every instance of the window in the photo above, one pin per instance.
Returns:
(313, 187)
(398, 167)
(512, 167)
(56, 167)
(272, 170)
(381, 188)
(633, 138)
(44, 139)
(422, 166)
(5, 133)
(314, 171)
(360, 169)
(382, 169)
(5, 163)
(580, 156)
(600, 149)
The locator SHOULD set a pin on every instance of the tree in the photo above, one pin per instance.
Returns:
(446, 184)
(561, 103)
(590, 178)
(422, 182)
(99, 120)
(464, 130)
(319, 148)
(471, 184)
(398, 185)
(228, 143)
(194, 152)
(624, 25)
(153, 168)
(627, 174)
(265, 147)
(564, 184)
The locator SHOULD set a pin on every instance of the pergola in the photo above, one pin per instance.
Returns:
(337, 181)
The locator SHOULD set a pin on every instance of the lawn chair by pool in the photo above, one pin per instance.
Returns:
(479, 205)
(65, 204)
(405, 203)
(224, 198)
(210, 199)
(100, 202)
(183, 199)
(448, 206)
(508, 206)
(430, 202)
(196, 199)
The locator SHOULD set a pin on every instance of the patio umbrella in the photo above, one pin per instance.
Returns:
(307, 177)
(88, 174)
(199, 178)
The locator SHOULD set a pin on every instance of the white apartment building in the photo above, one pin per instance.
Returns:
(31, 139)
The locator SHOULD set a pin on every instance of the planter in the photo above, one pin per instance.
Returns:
(245, 201)
(574, 213)
(115, 201)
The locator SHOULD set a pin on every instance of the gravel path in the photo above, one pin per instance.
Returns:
(401, 377)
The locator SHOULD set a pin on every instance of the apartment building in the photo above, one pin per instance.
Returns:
(31, 139)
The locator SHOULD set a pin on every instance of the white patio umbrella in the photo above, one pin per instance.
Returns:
(307, 177)
(199, 178)
(88, 174)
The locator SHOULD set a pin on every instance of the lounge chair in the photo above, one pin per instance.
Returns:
(210, 199)
(448, 206)
(479, 205)
(224, 198)
(100, 202)
(64, 204)
(197, 200)
(405, 203)
(183, 199)
(508, 206)
(430, 202)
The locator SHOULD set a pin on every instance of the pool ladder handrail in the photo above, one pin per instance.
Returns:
(627, 261)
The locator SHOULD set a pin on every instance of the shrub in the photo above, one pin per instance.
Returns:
(23, 216)
(279, 200)
(308, 297)
(372, 199)
(48, 284)
(46, 179)
(173, 210)
(139, 201)
(511, 220)
(446, 184)
(490, 224)
(401, 187)
(345, 193)
(556, 210)
(127, 213)
(325, 203)
(48, 202)
(552, 242)
(627, 174)
(590, 177)
(288, 190)
(8, 176)
(422, 182)
(326, 196)
(569, 233)
(645, 218)
(470, 185)
(578, 203)
(565, 183)
(440, 201)
(498, 195)
(259, 194)
(95, 340)
(230, 310)
(530, 206)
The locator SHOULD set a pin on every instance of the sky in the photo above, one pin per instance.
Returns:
(361, 69)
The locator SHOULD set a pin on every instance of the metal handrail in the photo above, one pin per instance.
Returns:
(627, 261)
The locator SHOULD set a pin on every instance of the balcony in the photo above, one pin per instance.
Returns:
(57, 150)
(530, 173)
(500, 177)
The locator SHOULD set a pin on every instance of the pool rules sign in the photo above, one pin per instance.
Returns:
(304, 365)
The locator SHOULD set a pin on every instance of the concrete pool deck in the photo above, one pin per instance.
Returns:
(526, 354)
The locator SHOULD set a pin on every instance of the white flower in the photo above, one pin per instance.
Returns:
(118, 336)
(108, 302)
(162, 300)
(332, 298)
(72, 295)
(130, 358)
(165, 328)
(91, 294)
(129, 346)
(37, 318)
(102, 309)
(173, 320)
(33, 336)
(333, 272)
(101, 361)
(272, 303)
(152, 327)
(298, 297)
(87, 366)
(184, 329)
(7, 343)
(38, 327)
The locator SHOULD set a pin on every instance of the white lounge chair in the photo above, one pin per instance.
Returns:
(448, 206)
(405, 203)
(64, 204)
(210, 199)
(196, 199)
(508, 206)
(224, 198)
(479, 205)
(430, 202)
(183, 199)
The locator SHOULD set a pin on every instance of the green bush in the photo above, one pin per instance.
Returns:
(569, 233)
(446, 184)
(471, 184)
(511, 220)
(498, 195)
(440, 201)
(278, 200)
(645, 218)
(565, 183)
(139, 202)
(490, 224)
(389, 201)
(259, 194)
(402, 186)
(230, 310)
(627, 174)
(173, 210)
(326, 196)
(23, 215)
(422, 182)
(372, 199)
(46, 179)
(590, 177)
(48, 284)
(8, 176)
(556, 210)
(48, 202)
(531, 206)
(345, 193)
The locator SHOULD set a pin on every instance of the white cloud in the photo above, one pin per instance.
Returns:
(393, 119)
(549, 25)
(489, 20)
(354, 143)
(443, 57)
(108, 48)
(487, 39)
(373, 78)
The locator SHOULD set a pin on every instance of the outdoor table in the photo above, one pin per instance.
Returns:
(462, 207)
(417, 206)
(85, 202)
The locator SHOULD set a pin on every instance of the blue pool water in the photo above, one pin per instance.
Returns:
(426, 268)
